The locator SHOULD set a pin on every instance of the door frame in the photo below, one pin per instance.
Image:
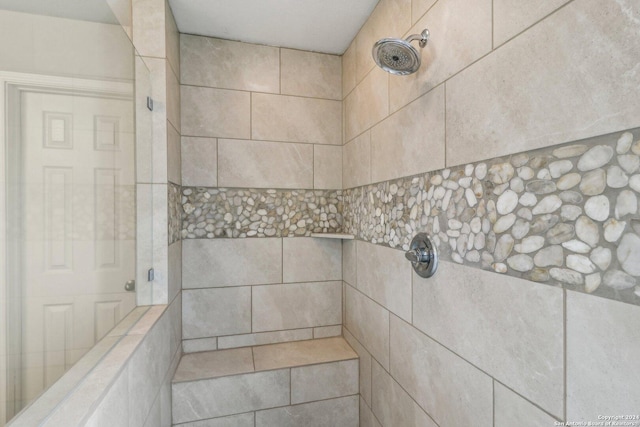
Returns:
(12, 85)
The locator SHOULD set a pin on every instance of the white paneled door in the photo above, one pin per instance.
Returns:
(77, 227)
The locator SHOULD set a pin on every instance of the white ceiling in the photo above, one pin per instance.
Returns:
(316, 25)
(83, 10)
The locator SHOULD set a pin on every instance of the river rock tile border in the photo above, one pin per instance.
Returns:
(175, 212)
(565, 215)
(229, 212)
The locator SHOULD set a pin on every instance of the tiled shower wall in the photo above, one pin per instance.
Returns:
(472, 347)
(261, 150)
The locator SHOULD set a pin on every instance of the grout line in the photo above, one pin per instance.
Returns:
(251, 116)
(259, 92)
(493, 400)
(259, 140)
(280, 71)
(445, 124)
(493, 26)
(250, 309)
(564, 349)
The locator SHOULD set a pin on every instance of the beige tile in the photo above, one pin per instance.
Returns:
(419, 8)
(174, 160)
(511, 314)
(513, 16)
(392, 405)
(236, 394)
(513, 410)
(213, 364)
(603, 341)
(327, 167)
(356, 161)
(324, 381)
(296, 305)
(263, 338)
(367, 419)
(146, 370)
(312, 74)
(174, 284)
(341, 412)
(385, 276)
(199, 344)
(172, 40)
(215, 112)
(263, 164)
(216, 311)
(295, 119)
(367, 104)
(579, 75)
(460, 34)
(327, 331)
(349, 261)
(231, 262)
(199, 161)
(285, 355)
(229, 65)
(447, 387)
(149, 27)
(173, 97)
(113, 409)
(364, 361)
(322, 259)
(369, 324)
(390, 18)
(242, 420)
(349, 69)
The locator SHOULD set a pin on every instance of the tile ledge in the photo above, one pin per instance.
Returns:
(343, 236)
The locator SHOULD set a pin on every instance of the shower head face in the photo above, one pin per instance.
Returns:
(396, 56)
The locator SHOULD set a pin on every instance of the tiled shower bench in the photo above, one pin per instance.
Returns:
(306, 383)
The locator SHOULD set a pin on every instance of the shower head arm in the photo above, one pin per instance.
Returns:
(423, 37)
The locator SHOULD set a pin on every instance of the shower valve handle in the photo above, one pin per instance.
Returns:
(417, 255)
(423, 255)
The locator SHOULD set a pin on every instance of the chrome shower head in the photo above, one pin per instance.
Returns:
(397, 56)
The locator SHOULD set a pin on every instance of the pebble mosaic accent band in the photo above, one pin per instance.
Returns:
(227, 212)
(175, 212)
(565, 215)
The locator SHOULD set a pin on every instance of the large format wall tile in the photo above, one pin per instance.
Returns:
(295, 119)
(411, 140)
(218, 397)
(494, 322)
(324, 381)
(369, 324)
(216, 311)
(603, 342)
(310, 74)
(385, 276)
(512, 16)
(392, 405)
(199, 161)
(460, 34)
(231, 262)
(311, 259)
(364, 361)
(296, 305)
(367, 104)
(341, 412)
(451, 390)
(327, 167)
(356, 161)
(544, 93)
(242, 420)
(349, 69)
(228, 64)
(419, 8)
(349, 261)
(390, 18)
(215, 112)
(264, 164)
(512, 410)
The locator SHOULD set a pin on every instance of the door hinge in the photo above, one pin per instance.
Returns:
(151, 275)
